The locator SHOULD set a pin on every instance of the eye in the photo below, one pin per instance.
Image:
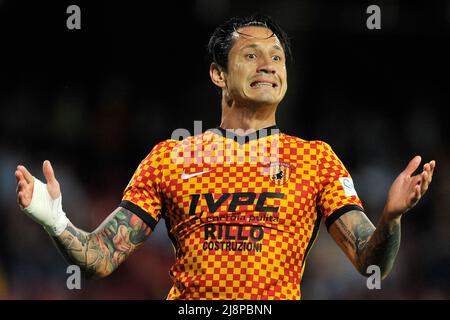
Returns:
(251, 56)
(276, 58)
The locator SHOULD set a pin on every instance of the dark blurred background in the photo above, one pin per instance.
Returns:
(95, 101)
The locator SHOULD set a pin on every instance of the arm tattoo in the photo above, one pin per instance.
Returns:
(100, 252)
(347, 236)
(381, 248)
(364, 244)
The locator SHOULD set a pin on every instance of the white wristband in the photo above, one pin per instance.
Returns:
(46, 211)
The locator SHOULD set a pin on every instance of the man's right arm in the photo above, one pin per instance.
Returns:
(100, 252)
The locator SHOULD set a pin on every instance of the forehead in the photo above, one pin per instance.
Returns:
(254, 35)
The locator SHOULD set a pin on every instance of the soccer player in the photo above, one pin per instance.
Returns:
(242, 203)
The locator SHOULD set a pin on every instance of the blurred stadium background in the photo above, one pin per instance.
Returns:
(95, 101)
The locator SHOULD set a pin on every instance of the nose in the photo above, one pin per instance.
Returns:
(266, 65)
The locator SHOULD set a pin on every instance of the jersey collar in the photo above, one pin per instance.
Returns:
(241, 139)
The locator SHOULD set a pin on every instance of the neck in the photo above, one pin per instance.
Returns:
(247, 118)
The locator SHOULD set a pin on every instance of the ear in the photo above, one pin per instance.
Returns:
(217, 75)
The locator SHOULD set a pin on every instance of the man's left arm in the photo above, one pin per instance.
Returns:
(366, 245)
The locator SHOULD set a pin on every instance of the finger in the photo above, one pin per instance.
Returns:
(27, 175)
(48, 172)
(21, 186)
(432, 166)
(427, 167)
(19, 176)
(21, 199)
(412, 165)
(424, 182)
(416, 194)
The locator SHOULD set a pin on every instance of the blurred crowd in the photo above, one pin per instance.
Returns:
(95, 103)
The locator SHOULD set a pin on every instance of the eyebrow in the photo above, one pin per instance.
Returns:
(255, 46)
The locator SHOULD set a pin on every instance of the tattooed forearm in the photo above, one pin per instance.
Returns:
(347, 239)
(381, 248)
(364, 244)
(100, 252)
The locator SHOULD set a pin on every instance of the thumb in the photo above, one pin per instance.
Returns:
(412, 166)
(48, 172)
(52, 183)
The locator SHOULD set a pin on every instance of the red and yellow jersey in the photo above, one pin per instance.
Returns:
(241, 211)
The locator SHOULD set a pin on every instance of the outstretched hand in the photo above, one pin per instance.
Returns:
(406, 190)
(25, 184)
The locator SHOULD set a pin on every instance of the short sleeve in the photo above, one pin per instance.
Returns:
(142, 195)
(337, 192)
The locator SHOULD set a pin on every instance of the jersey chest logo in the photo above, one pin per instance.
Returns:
(278, 172)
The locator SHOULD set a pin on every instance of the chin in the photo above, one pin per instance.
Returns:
(265, 99)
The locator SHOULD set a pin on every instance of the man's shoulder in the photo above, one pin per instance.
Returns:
(160, 151)
(164, 146)
(303, 143)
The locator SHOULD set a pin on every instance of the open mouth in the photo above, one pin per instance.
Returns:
(263, 84)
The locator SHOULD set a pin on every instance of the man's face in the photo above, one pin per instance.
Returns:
(256, 68)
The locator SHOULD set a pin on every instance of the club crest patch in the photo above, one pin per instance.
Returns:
(278, 172)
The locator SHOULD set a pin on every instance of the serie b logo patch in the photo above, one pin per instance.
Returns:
(278, 172)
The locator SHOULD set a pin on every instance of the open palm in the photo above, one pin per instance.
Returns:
(406, 190)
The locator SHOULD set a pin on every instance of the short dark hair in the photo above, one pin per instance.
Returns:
(221, 41)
